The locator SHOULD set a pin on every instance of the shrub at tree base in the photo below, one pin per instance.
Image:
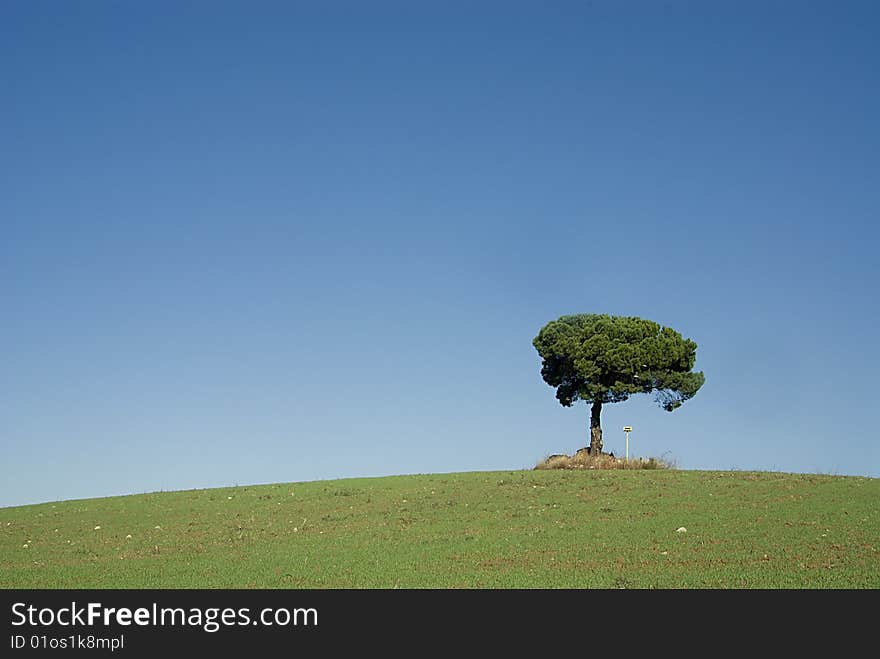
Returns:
(583, 460)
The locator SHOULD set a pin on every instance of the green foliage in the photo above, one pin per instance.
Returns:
(603, 358)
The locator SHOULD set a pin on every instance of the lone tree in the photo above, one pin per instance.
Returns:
(605, 359)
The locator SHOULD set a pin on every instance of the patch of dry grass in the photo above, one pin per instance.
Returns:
(583, 460)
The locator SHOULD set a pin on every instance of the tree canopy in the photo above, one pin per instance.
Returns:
(606, 359)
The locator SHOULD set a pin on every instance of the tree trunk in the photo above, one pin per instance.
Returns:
(595, 429)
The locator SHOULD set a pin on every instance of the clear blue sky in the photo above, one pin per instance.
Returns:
(257, 242)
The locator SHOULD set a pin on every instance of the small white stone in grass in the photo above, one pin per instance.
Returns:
(681, 529)
(25, 546)
(128, 537)
(97, 528)
(295, 529)
(158, 528)
(664, 553)
(230, 498)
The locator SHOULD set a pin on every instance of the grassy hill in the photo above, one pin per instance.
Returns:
(528, 529)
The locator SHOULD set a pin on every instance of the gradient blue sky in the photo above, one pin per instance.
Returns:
(256, 242)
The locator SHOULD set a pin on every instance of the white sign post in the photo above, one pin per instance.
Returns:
(627, 430)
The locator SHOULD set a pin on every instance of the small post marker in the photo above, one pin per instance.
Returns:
(627, 430)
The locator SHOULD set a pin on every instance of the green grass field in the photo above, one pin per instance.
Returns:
(520, 529)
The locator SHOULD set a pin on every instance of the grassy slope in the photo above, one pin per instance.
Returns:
(498, 529)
